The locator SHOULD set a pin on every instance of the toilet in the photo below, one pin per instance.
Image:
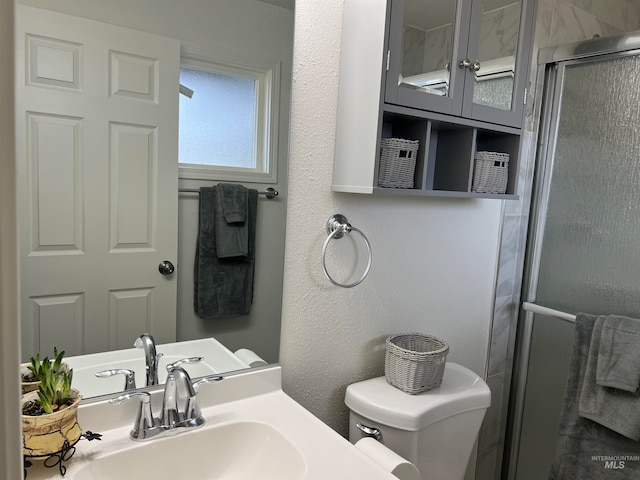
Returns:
(435, 430)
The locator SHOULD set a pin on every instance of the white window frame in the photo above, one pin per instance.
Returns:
(267, 77)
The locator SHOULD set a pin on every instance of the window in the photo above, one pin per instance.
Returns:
(227, 127)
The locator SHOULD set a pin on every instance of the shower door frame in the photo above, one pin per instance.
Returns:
(552, 63)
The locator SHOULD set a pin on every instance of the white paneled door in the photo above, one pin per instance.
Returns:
(96, 136)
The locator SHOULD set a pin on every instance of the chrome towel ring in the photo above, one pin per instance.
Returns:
(338, 227)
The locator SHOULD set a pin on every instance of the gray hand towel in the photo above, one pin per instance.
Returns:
(619, 354)
(233, 199)
(223, 287)
(614, 409)
(586, 450)
(231, 227)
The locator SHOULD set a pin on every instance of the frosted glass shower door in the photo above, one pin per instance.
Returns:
(589, 256)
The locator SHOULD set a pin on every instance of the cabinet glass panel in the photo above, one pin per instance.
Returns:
(428, 39)
(493, 81)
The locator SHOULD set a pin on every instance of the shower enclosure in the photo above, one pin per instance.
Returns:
(583, 252)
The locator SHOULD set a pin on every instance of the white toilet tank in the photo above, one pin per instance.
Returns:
(435, 430)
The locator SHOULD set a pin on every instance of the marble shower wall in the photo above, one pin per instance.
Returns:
(557, 22)
(561, 21)
(428, 51)
(499, 32)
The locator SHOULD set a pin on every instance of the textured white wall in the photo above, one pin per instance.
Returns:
(434, 259)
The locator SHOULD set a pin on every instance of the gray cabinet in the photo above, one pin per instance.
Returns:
(391, 87)
(467, 58)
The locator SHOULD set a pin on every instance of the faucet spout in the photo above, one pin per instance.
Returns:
(148, 345)
(179, 406)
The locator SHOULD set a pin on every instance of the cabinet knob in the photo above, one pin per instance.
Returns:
(473, 66)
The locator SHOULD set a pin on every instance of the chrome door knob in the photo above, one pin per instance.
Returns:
(466, 63)
(473, 66)
(166, 267)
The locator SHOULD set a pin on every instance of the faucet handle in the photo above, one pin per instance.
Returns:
(193, 414)
(209, 379)
(156, 366)
(129, 376)
(145, 425)
(184, 361)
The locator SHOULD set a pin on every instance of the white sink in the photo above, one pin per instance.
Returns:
(216, 359)
(239, 450)
(252, 431)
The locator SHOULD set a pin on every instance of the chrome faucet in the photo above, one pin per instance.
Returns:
(148, 345)
(180, 409)
(179, 405)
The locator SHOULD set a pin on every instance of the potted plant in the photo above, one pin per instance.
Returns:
(49, 415)
(31, 373)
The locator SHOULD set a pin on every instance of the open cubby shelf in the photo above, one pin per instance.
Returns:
(445, 159)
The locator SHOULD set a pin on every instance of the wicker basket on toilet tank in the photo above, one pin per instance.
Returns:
(415, 362)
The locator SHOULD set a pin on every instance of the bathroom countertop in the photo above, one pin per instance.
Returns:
(253, 398)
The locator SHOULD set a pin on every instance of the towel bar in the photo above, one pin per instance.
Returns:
(270, 192)
(532, 307)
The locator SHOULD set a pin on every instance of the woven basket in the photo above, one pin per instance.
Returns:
(415, 362)
(490, 172)
(397, 162)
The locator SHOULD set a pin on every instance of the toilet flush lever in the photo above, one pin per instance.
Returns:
(369, 431)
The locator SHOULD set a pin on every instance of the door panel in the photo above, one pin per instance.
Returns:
(416, 76)
(56, 209)
(96, 135)
(500, 40)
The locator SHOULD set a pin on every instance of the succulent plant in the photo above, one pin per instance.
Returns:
(54, 390)
(39, 367)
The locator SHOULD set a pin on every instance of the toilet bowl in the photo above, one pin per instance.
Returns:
(435, 430)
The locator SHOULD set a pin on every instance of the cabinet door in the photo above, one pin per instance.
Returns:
(427, 39)
(498, 49)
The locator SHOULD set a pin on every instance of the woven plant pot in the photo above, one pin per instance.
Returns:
(44, 435)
